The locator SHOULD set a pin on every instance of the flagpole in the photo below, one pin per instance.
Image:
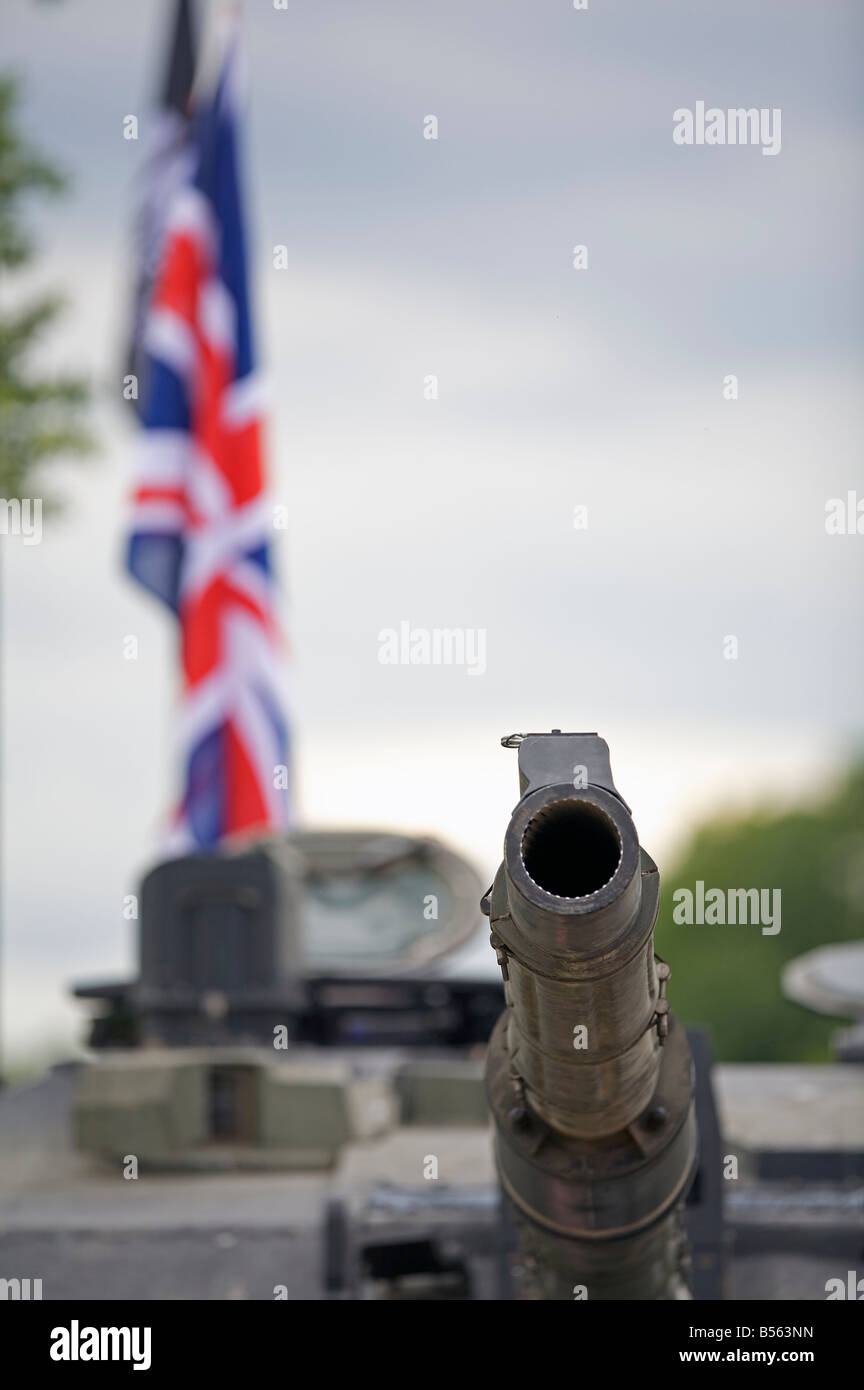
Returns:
(2, 790)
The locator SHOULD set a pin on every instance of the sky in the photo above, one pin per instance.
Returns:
(603, 387)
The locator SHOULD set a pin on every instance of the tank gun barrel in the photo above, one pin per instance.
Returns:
(589, 1076)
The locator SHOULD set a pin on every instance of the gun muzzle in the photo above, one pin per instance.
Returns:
(589, 1077)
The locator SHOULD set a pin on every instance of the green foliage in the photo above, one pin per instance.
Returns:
(40, 416)
(728, 977)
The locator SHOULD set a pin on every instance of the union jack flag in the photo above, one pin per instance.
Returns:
(201, 519)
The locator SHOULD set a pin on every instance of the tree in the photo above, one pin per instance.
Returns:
(728, 977)
(40, 416)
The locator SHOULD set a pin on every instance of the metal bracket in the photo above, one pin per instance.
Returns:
(660, 1017)
(501, 953)
(546, 759)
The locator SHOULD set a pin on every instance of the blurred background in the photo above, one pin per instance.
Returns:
(599, 388)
